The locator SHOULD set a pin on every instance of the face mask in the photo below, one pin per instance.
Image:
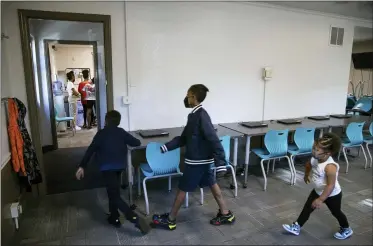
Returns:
(186, 103)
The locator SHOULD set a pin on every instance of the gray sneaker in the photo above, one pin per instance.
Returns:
(343, 233)
(293, 228)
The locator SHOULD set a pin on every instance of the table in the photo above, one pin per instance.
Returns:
(335, 122)
(174, 132)
(272, 125)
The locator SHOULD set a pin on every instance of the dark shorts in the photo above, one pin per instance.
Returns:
(90, 103)
(196, 175)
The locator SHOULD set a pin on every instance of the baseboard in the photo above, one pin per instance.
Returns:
(48, 148)
(6, 160)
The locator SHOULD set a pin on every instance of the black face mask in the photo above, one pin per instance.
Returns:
(186, 103)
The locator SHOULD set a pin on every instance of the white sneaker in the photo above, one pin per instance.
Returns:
(343, 233)
(293, 228)
(77, 128)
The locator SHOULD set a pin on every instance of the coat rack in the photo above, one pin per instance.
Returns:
(3, 36)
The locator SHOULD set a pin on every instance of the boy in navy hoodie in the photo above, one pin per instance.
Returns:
(203, 148)
(110, 147)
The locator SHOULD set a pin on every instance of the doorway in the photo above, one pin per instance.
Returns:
(64, 57)
(360, 88)
(41, 31)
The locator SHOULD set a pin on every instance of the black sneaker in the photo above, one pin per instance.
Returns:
(162, 220)
(223, 219)
(132, 217)
(114, 221)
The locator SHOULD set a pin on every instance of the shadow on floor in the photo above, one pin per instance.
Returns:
(60, 167)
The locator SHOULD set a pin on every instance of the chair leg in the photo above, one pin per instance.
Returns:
(202, 201)
(370, 155)
(273, 166)
(138, 182)
(187, 199)
(365, 156)
(292, 179)
(292, 159)
(72, 127)
(234, 181)
(345, 155)
(339, 154)
(169, 183)
(268, 163)
(264, 174)
(146, 196)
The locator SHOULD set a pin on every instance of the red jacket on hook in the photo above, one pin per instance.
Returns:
(15, 138)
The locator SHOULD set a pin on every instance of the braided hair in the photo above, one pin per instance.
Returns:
(329, 142)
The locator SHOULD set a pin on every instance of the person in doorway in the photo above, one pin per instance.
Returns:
(90, 90)
(110, 148)
(73, 97)
(203, 148)
(94, 108)
(83, 94)
(323, 171)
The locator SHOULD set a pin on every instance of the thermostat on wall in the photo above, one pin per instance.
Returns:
(267, 73)
(126, 100)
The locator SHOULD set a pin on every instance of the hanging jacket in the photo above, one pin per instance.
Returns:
(15, 138)
(29, 154)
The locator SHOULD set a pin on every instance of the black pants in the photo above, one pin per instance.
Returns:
(334, 205)
(112, 182)
(85, 114)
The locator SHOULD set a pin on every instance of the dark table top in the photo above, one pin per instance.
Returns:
(176, 131)
(272, 125)
(334, 122)
(318, 124)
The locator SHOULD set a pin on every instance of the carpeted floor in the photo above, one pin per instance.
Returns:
(60, 167)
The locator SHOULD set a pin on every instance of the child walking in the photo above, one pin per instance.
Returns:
(322, 171)
(110, 147)
(203, 148)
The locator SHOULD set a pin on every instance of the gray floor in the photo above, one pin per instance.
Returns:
(82, 138)
(78, 218)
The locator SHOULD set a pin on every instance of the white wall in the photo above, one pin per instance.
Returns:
(225, 46)
(71, 56)
(172, 45)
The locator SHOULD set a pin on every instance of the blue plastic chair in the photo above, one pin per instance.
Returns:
(226, 142)
(363, 105)
(276, 147)
(64, 119)
(355, 139)
(159, 165)
(369, 141)
(304, 139)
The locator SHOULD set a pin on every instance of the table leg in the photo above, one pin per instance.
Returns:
(130, 178)
(234, 164)
(330, 129)
(235, 154)
(321, 132)
(247, 159)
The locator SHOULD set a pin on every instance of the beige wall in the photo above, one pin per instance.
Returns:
(74, 57)
(361, 75)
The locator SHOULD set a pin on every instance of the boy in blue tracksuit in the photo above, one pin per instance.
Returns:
(203, 148)
(110, 147)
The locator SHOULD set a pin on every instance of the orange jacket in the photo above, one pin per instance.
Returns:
(15, 138)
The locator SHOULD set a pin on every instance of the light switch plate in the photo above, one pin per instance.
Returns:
(126, 100)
